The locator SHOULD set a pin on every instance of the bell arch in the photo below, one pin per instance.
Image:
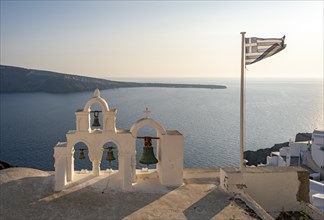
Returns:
(140, 141)
(79, 149)
(96, 99)
(106, 164)
(112, 140)
(160, 132)
(146, 122)
(86, 121)
(76, 141)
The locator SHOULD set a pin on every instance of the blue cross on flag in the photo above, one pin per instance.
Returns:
(257, 49)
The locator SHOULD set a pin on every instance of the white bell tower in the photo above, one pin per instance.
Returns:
(170, 147)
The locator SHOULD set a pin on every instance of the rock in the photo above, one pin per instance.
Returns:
(260, 156)
(303, 137)
(5, 165)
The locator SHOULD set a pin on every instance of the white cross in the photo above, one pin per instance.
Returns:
(249, 45)
(147, 112)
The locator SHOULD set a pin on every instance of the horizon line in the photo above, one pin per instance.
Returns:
(173, 77)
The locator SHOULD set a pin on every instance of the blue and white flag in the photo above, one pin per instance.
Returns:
(257, 49)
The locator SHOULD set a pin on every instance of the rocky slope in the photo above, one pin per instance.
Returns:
(16, 79)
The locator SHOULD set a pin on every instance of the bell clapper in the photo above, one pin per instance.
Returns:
(145, 169)
(109, 170)
(81, 154)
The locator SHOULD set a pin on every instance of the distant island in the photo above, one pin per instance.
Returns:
(17, 79)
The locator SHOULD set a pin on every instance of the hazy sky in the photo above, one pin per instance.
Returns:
(160, 38)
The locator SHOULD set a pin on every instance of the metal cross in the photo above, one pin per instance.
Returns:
(147, 112)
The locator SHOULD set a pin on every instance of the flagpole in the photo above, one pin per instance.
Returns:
(242, 103)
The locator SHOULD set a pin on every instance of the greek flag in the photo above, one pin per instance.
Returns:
(257, 49)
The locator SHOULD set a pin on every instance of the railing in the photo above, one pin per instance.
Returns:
(316, 196)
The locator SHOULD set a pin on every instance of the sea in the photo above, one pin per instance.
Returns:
(209, 119)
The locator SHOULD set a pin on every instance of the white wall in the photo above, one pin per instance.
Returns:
(281, 162)
(317, 143)
(272, 161)
(273, 191)
(296, 147)
(276, 161)
(274, 188)
(316, 188)
(284, 151)
(318, 155)
(171, 164)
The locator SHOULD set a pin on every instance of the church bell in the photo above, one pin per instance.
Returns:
(81, 154)
(148, 156)
(110, 154)
(96, 119)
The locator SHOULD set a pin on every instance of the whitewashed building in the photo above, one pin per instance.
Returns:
(318, 147)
